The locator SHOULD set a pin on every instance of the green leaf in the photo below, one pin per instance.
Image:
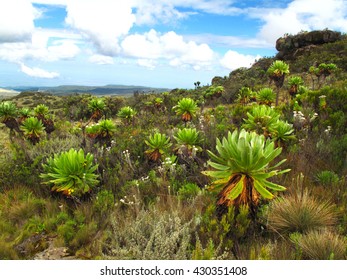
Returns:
(262, 190)
(236, 191)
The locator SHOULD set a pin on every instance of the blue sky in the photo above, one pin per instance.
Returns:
(161, 43)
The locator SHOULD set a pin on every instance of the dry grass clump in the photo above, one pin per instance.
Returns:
(322, 245)
(18, 205)
(300, 213)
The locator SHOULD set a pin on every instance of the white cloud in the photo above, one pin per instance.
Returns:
(170, 47)
(147, 63)
(302, 15)
(61, 50)
(63, 47)
(166, 11)
(16, 20)
(145, 45)
(233, 60)
(103, 22)
(38, 72)
(101, 59)
(229, 41)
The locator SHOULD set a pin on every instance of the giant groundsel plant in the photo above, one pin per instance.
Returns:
(242, 169)
(71, 173)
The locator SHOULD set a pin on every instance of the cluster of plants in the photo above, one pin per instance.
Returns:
(186, 174)
(32, 124)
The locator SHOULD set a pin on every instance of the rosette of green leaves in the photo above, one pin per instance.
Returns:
(8, 112)
(261, 119)
(127, 113)
(32, 129)
(71, 173)
(242, 169)
(282, 132)
(186, 108)
(327, 68)
(158, 144)
(189, 138)
(278, 69)
(41, 110)
(214, 91)
(266, 96)
(106, 128)
(277, 72)
(244, 95)
(24, 113)
(294, 83)
(92, 131)
(97, 107)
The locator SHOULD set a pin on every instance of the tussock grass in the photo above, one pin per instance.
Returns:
(322, 245)
(300, 213)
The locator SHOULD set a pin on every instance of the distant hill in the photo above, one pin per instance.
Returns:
(95, 90)
(5, 93)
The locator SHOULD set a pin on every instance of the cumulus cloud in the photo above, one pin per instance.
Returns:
(16, 20)
(303, 15)
(62, 50)
(233, 60)
(169, 46)
(101, 59)
(63, 47)
(153, 11)
(38, 72)
(103, 22)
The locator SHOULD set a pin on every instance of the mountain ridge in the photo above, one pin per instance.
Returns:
(109, 89)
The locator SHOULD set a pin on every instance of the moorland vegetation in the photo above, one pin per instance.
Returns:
(252, 166)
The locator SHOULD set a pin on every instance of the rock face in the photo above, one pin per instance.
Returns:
(290, 46)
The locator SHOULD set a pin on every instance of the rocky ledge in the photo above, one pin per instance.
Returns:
(290, 46)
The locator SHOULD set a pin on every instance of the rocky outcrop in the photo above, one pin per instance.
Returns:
(293, 45)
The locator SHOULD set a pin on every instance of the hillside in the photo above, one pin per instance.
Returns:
(211, 173)
(300, 51)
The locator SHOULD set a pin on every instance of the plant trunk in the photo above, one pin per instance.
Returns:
(277, 95)
(12, 124)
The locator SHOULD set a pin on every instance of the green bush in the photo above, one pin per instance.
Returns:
(103, 202)
(327, 178)
(67, 231)
(225, 231)
(189, 190)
